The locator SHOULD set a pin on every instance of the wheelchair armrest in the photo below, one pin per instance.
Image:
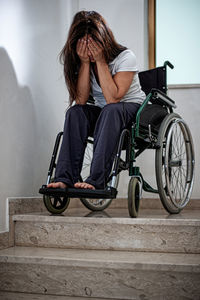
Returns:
(160, 97)
(137, 119)
(156, 96)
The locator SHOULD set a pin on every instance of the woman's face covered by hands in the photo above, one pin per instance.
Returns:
(89, 50)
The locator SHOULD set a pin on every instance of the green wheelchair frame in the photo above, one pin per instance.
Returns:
(156, 127)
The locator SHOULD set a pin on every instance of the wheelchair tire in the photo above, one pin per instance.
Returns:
(96, 204)
(133, 197)
(56, 205)
(174, 163)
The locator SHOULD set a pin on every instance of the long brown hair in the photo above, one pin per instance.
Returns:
(86, 22)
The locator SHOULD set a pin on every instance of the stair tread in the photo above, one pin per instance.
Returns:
(28, 296)
(101, 258)
(115, 216)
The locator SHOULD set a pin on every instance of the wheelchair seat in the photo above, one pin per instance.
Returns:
(152, 115)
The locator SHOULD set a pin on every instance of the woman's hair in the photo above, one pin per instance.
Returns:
(92, 23)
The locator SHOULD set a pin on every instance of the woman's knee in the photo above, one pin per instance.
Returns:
(74, 111)
(113, 107)
(111, 117)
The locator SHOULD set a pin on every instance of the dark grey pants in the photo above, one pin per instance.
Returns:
(105, 125)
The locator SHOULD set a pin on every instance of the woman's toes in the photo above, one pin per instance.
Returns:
(63, 185)
(77, 185)
(89, 186)
(84, 185)
(55, 185)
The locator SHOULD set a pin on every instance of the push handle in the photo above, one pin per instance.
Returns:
(167, 63)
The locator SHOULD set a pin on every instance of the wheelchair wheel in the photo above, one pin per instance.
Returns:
(96, 204)
(56, 205)
(133, 197)
(92, 204)
(174, 163)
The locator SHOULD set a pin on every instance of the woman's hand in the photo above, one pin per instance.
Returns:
(82, 50)
(95, 51)
(89, 50)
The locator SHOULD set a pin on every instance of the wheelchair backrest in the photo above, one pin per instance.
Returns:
(154, 78)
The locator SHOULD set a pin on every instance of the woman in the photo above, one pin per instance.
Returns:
(95, 65)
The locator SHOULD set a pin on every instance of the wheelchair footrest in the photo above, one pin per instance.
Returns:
(108, 193)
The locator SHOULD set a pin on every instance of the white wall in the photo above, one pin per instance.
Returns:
(187, 101)
(33, 96)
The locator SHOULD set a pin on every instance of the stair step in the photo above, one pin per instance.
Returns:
(21, 205)
(100, 273)
(161, 233)
(28, 296)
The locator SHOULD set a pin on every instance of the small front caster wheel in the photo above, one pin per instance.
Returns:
(55, 204)
(133, 197)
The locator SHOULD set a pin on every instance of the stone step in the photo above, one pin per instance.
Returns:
(156, 232)
(100, 273)
(27, 205)
(23, 205)
(28, 296)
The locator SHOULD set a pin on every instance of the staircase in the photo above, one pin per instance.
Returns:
(83, 255)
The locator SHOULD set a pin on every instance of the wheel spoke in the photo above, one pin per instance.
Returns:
(55, 201)
(56, 205)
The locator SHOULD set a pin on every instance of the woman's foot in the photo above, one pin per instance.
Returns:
(58, 185)
(84, 185)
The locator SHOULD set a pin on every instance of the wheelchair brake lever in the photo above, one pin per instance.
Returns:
(152, 139)
(150, 133)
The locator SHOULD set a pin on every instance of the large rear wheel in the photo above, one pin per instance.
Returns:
(174, 163)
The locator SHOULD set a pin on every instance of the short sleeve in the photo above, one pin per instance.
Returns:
(126, 61)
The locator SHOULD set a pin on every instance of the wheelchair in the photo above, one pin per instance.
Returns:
(156, 127)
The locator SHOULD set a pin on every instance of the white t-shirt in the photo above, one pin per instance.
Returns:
(125, 61)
